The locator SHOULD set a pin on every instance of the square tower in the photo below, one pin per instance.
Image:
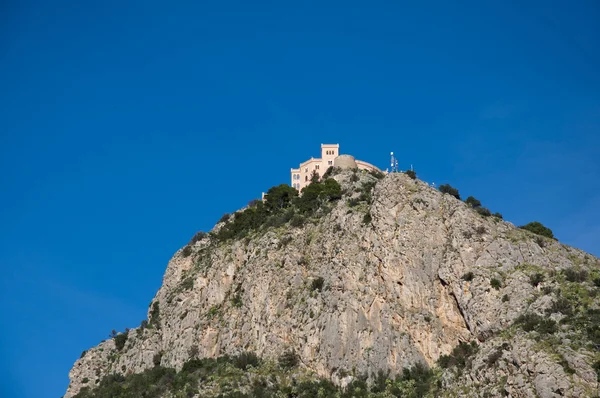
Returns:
(328, 153)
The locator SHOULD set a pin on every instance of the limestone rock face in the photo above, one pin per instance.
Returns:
(393, 293)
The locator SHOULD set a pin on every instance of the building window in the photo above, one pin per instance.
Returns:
(305, 178)
(306, 170)
(317, 167)
(329, 162)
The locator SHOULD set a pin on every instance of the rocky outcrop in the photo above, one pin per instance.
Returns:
(377, 284)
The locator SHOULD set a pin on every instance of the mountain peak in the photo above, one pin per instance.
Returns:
(366, 274)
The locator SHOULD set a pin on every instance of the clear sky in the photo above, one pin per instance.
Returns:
(125, 127)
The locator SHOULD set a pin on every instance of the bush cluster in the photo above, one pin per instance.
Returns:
(536, 279)
(575, 275)
(461, 356)
(447, 188)
(317, 283)
(411, 173)
(474, 203)
(246, 359)
(530, 322)
(468, 276)
(197, 237)
(538, 228)
(495, 283)
(228, 376)
(121, 339)
(289, 359)
(155, 316)
(187, 250)
(281, 205)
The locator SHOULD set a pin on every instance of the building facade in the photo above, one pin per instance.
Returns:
(300, 177)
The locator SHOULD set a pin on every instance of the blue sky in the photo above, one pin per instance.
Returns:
(125, 127)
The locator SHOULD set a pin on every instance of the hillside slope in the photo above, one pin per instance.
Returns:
(392, 274)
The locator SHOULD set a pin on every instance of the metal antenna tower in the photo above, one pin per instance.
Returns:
(394, 163)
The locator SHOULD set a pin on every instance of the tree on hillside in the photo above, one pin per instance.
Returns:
(411, 173)
(474, 203)
(447, 188)
(314, 194)
(314, 177)
(280, 197)
(538, 228)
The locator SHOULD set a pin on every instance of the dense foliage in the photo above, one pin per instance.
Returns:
(447, 188)
(460, 357)
(538, 228)
(282, 204)
(246, 375)
(121, 339)
(474, 203)
(411, 173)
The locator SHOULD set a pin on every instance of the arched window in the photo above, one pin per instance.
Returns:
(305, 178)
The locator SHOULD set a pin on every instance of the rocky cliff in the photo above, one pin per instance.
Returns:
(392, 274)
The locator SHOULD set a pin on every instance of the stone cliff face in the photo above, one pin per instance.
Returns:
(353, 294)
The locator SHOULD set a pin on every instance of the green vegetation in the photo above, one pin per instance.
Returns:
(480, 229)
(214, 311)
(538, 228)
(155, 316)
(157, 358)
(288, 360)
(531, 321)
(446, 188)
(282, 205)
(236, 300)
(483, 211)
(596, 367)
(575, 275)
(496, 354)
(317, 284)
(187, 250)
(460, 358)
(474, 203)
(246, 376)
(468, 276)
(377, 174)
(246, 359)
(536, 279)
(495, 283)
(280, 197)
(187, 284)
(329, 172)
(411, 173)
(197, 237)
(121, 339)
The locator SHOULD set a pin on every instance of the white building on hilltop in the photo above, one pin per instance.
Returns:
(330, 156)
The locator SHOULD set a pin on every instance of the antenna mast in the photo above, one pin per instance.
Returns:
(394, 163)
